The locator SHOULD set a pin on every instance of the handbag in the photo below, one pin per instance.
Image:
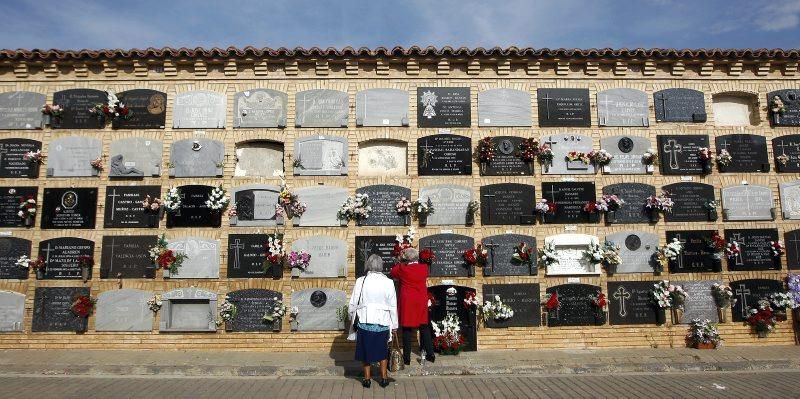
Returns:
(395, 356)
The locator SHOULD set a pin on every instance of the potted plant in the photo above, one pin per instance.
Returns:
(86, 263)
(422, 209)
(649, 159)
(724, 299)
(165, 258)
(227, 313)
(274, 256)
(545, 209)
(472, 209)
(342, 316)
(447, 335)
(404, 207)
(477, 256)
(761, 318)
(152, 207)
(706, 157)
(703, 334)
(275, 315)
(217, 201)
(484, 153)
(27, 210)
(599, 303)
(298, 262)
(716, 246)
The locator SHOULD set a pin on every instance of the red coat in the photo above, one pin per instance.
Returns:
(413, 300)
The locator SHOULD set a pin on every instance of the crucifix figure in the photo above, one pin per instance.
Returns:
(680, 255)
(743, 293)
(663, 99)
(673, 149)
(547, 99)
(605, 101)
(426, 151)
(621, 295)
(236, 246)
(739, 240)
(491, 245)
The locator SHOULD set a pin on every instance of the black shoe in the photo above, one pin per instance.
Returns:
(384, 382)
(407, 362)
(431, 358)
(366, 383)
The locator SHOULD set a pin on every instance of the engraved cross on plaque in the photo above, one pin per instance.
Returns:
(663, 99)
(796, 242)
(743, 293)
(488, 201)
(304, 101)
(673, 149)
(621, 295)
(47, 253)
(725, 144)
(739, 240)
(783, 146)
(113, 246)
(680, 255)
(547, 99)
(605, 101)
(236, 246)
(113, 197)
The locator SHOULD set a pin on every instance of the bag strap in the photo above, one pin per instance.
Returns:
(361, 293)
(396, 340)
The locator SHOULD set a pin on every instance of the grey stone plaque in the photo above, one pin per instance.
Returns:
(317, 308)
(320, 156)
(135, 157)
(504, 107)
(501, 256)
(622, 107)
(260, 108)
(328, 256)
(123, 310)
(627, 152)
(790, 199)
(382, 107)
(71, 156)
(635, 195)
(383, 200)
(11, 249)
(197, 158)
(202, 257)
(382, 158)
(188, 310)
(200, 109)
(258, 158)
(747, 202)
(700, 301)
(321, 108)
(680, 105)
(562, 144)
(322, 203)
(21, 110)
(12, 311)
(450, 203)
(636, 248)
(255, 205)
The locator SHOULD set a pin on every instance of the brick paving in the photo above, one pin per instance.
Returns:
(756, 384)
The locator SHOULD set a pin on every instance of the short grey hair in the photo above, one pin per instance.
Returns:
(374, 264)
(410, 255)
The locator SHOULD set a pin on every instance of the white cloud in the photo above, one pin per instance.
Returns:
(778, 17)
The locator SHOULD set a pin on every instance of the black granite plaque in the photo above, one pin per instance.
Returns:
(193, 211)
(635, 195)
(507, 160)
(11, 249)
(76, 104)
(148, 109)
(251, 306)
(61, 257)
(523, 300)
(501, 260)
(69, 208)
(443, 107)
(12, 162)
(680, 105)
(246, 255)
(569, 198)
(374, 245)
(444, 155)
(449, 251)
(52, 309)
(124, 209)
(445, 304)
(788, 148)
(631, 302)
(508, 204)
(10, 200)
(696, 256)
(756, 252)
(749, 292)
(575, 306)
(790, 115)
(127, 257)
(749, 153)
(792, 240)
(690, 200)
(679, 154)
(383, 200)
(564, 108)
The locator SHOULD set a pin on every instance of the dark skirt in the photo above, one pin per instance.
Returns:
(371, 346)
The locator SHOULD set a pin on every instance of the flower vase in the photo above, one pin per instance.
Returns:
(712, 215)
(677, 315)
(599, 317)
(650, 168)
(295, 272)
(29, 221)
(653, 215)
(611, 270)
(233, 220)
(85, 273)
(611, 217)
(762, 333)
(294, 325)
(470, 270)
(277, 272)
(40, 274)
(278, 220)
(343, 222)
(423, 220)
(716, 265)
(216, 219)
(704, 345)
(340, 324)
(661, 317)
(406, 220)
(707, 167)
(169, 220)
(276, 325)
(470, 219)
(152, 219)
(723, 315)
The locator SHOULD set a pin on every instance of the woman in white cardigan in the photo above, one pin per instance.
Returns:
(374, 303)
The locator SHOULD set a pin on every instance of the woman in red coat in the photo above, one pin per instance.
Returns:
(413, 302)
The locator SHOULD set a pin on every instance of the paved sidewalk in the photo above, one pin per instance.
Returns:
(530, 362)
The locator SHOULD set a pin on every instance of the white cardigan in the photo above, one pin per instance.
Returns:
(378, 302)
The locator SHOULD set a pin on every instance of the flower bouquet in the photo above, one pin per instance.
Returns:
(404, 207)
(172, 201)
(761, 318)
(356, 208)
(529, 149)
(548, 255)
(471, 301)
(477, 256)
(34, 157)
(422, 209)
(298, 262)
(274, 255)
(649, 159)
(165, 258)
(599, 303)
(546, 156)
(275, 315)
(53, 113)
(496, 310)
(447, 335)
(83, 306)
(227, 311)
(732, 250)
(112, 110)
(294, 311)
(544, 208)
(37, 265)
(523, 254)
(86, 263)
(154, 303)
(217, 199)
(724, 158)
(609, 204)
(781, 302)
(777, 248)
(706, 157)
(777, 109)
(97, 164)
(552, 303)
(782, 159)
(577, 156)
(655, 204)
(724, 299)
(27, 210)
(703, 334)
(152, 207)
(666, 253)
(427, 257)
(403, 242)
(594, 254)
(485, 151)
(600, 158)
(611, 257)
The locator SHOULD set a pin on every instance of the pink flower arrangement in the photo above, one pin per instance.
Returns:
(299, 260)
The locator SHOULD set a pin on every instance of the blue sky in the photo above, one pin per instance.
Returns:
(76, 24)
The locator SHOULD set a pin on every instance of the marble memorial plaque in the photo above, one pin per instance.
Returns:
(317, 308)
(52, 309)
(449, 251)
(570, 252)
(123, 207)
(323, 204)
(69, 208)
(790, 116)
(10, 200)
(444, 155)
(148, 109)
(749, 292)
(197, 158)
(792, 241)
(622, 107)
(12, 158)
(382, 246)
(562, 144)
(444, 107)
(72, 156)
(627, 152)
(787, 147)
(756, 251)
(690, 202)
(501, 260)
(12, 311)
(61, 257)
(21, 110)
(123, 310)
(700, 302)
(246, 255)
(76, 104)
(569, 198)
(251, 306)
(680, 105)
(696, 256)
(321, 108)
(320, 156)
(449, 300)
(450, 203)
(188, 310)
(679, 154)
(504, 107)
(524, 300)
(790, 199)
(749, 152)
(508, 204)
(735, 109)
(328, 256)
(382, 107)
(202, 257)
(383, 200)
(631, 302)
(127, 257)
(636, 248)
(260, 108)
(575, 306)
(258, 158)
(382, 158)
(255, 205)
(635, 195)
(564, 107)
(747, 202)
(193, 211)
(199, 109)
(507, 160)
(11, 249)
(135, 157)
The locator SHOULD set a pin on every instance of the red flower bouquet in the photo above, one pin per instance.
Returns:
(476, 256)
(522, 253)
(590, 207)
(83, 306)
(166, 258)
(599, 300)
(529, 149)
(485, 150)
(426, 256)
(470, 301)
(552, 302)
